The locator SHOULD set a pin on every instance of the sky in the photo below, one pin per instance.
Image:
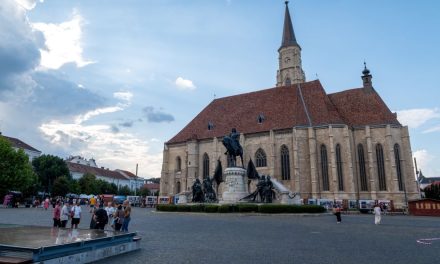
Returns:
(113, 80)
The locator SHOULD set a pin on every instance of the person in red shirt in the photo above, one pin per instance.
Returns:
(56, 215)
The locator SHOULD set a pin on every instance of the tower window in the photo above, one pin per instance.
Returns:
(287, 82)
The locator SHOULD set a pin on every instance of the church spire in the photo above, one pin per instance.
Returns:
(288, 33)
(290, 70)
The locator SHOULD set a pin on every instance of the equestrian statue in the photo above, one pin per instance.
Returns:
(233, 148)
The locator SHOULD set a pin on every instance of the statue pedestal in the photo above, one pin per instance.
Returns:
(235, 187)
(183, 198)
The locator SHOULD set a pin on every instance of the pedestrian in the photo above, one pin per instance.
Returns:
(377, 214)
(56, 215)
(46, 203)
(92, 204)
(64, 217)
(92, 219)
(119, 218)
(110, 209)
(337, 212)
(127, 214)
(76, 215)
(100, 217)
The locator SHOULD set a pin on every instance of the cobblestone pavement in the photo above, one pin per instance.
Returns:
(235, 238)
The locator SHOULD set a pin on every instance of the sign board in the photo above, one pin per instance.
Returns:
(164, 200)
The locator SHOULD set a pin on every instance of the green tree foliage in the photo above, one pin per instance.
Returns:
(106, 187)
(74, 187)
(49, 168)
(15, 170)
(113, 188)
(88, 184)
(154, 180)
(61, 186)
(144, 192)
(124, 190)
(433, 191)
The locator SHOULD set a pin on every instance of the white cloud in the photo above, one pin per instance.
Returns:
(27, 4)
(81, 118)
(432, 129)
(414, 118)
(425, 162)
(63, 43)
(126, 96)
(183, 84)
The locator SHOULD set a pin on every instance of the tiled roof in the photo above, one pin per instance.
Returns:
(80, 168)
(360, 107)
(128, 174)
(286, 107)
(17, 143)
(151, 186)
(428, 180)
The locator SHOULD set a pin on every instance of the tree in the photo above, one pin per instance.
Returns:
(113, 188)
(61, 186)
(49, 168)
(144, 192)
(74, 186)
(433, 191)
(124, 190)
(88, 184)
(15, 170)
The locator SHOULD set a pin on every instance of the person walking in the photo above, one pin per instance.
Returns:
(377, 214)
(57, 215)
(46, 203)
(92, 204)
(64, 217)
(76, 215)
(127, 214)
(110, 209)
(100, 217)
(337, 212)
(119, 218)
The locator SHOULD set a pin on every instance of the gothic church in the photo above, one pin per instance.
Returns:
(340, 146)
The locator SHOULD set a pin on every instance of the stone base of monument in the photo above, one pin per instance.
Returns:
(235, 187)
(285, 198)
(183, 198)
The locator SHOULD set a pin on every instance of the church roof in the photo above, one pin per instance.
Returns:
(305, 104)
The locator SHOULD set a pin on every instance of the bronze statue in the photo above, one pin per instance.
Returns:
(208, 190)
(233, 148)
(197, 192)
(264, 189)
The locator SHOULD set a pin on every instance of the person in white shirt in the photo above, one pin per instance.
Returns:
(110, 212)
(64, 217)
(76, 215)
(377, 214)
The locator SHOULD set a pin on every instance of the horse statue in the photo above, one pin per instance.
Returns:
(233, 148)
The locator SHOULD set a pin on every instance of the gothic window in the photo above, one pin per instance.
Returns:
(178, 164)
(260, 158)
(362, 170)
(324, 169)
(210, 126)
(339, 168)
(381, 168)
(398, 166)
(285, 163)
(287, 82)
(178, 187)
(205, 166)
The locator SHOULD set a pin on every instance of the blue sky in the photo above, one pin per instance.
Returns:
(114, 80)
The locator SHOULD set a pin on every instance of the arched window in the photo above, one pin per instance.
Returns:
(398, 166)
(339, 168)
(285, 163)
(287, 82)
(205, 166)
(260, 158)
(178, 164)
(178, 187)
(381, 168)
(362, 170)
(324, 169)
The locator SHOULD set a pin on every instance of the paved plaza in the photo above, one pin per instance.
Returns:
(252, 238)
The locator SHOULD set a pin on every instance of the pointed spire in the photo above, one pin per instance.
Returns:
(288, 33)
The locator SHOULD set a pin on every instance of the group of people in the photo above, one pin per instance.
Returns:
(377, 211)
(117, 216)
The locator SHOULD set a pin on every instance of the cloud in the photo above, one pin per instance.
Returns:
(19, 53)
(114, 129)
(105, 110)
(63, 43)
(27, 4)
(433, 129)
(125, 96)
(425, 162)
(183, 84)
(154, 116)
(415, 118)
(127, 123)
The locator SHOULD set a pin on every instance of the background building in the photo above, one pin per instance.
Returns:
(346, 145)
(28, 149)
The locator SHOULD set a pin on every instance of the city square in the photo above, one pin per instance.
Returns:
(255, 238)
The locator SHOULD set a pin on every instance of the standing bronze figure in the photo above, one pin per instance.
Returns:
(233, 148)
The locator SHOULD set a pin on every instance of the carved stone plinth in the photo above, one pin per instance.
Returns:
(235, 186)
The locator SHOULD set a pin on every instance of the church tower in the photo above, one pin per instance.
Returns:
(290, 70)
